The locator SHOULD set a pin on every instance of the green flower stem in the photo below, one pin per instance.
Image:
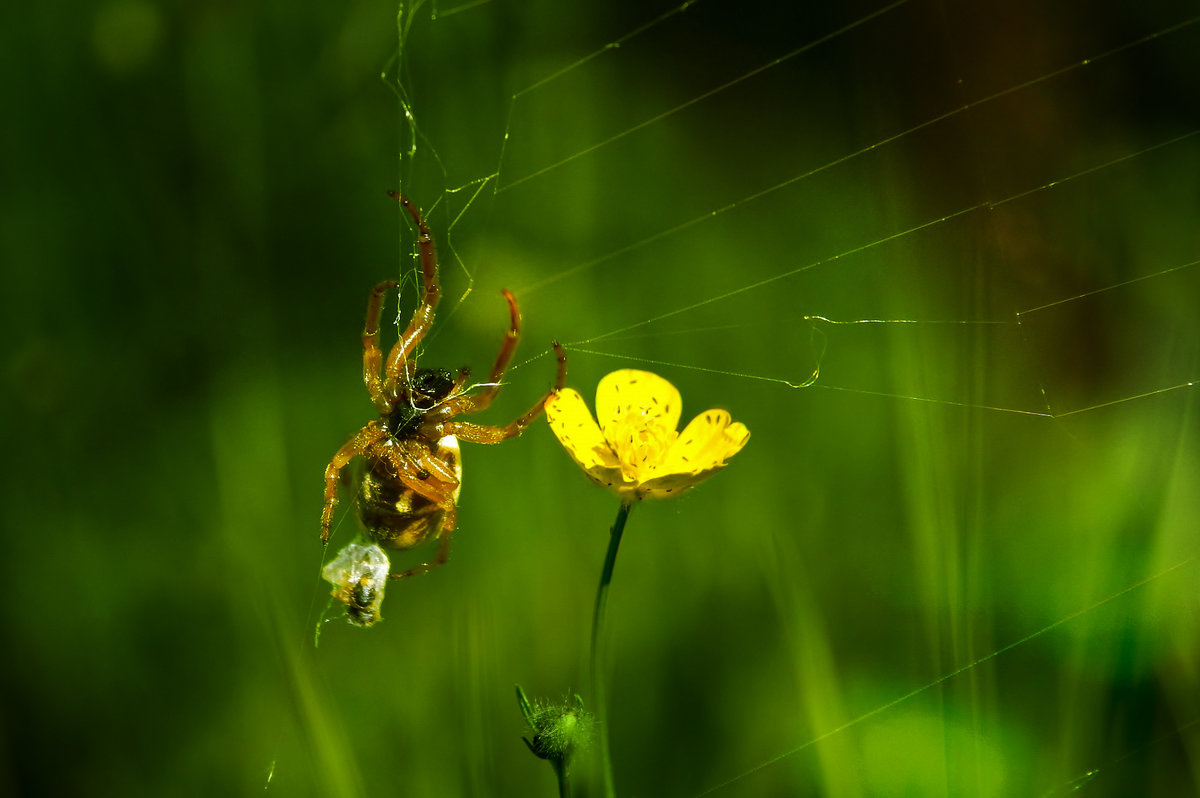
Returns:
(564, 783)
(598, 677)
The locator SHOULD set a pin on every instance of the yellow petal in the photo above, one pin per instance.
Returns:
(638, 412)
(576, 430)
(703, 449)
(669, 485)
(709, 439)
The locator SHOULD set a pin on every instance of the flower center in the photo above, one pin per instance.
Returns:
(639, 442)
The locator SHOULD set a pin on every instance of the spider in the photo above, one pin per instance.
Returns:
(408, 491)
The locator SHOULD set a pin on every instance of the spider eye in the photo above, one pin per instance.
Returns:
(433, 384)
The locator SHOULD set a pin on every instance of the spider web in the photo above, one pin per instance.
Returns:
(987, 215)
(1068, 174)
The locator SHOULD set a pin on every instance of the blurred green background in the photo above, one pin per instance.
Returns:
(194, 212)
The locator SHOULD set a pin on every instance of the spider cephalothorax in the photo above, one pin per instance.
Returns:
(412, 473)
(429, 387)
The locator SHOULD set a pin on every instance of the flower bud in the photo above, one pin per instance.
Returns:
(558, 729)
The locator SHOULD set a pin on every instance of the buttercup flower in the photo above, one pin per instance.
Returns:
(635, 450)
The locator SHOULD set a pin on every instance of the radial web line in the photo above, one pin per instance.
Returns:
(879, 710)
(837, 161)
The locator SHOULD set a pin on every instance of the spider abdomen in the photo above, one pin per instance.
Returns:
(394, 515)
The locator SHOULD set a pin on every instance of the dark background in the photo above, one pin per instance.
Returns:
(193, 213)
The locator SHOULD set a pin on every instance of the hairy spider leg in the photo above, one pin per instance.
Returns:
(481, 400)
(477, 433)
(449, 522)
(416, 464)
(443, 552)
(460, 382)
(423, 472)
(372, 356)
(422, 320)
(418, 470)
(361, 442)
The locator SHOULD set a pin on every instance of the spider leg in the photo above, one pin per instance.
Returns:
(480, 401)
(460, 382)
(477, 433)
(422, 471)
(363, 441)
(417, 466)
(422, 319)
(372, 356)
(449, 522)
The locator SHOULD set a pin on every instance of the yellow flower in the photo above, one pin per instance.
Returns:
(635, 450)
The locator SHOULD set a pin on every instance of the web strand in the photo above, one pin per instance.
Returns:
(1018, 87)
(881, 709)
(586, 345)
(1016, 318)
